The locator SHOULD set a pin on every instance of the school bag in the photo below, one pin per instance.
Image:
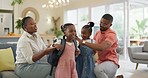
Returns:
(56, 54)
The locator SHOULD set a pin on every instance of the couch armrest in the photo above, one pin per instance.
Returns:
(135, 48)
(8, 74)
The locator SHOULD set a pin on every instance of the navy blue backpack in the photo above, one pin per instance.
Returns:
(56, 54)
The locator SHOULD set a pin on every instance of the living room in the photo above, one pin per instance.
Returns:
(79, 12)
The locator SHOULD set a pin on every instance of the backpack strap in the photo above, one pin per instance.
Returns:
(75, 43)
(76, 48)
(63, 42)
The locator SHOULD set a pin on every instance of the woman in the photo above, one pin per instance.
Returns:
(31, 59)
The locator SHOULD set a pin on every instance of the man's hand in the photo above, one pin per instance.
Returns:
(79, 40)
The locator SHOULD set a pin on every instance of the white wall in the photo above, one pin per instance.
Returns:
(6, 4)
(43, 26)
(44, 13)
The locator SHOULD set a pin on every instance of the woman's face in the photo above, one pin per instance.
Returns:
(85, 34)
(70, 32)
(31, 26)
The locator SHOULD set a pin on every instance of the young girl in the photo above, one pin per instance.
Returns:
(66, 67)
(85, 63)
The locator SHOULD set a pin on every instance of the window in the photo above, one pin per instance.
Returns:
(117, 11)
(96, 14)
(79, 17)
(72, 16)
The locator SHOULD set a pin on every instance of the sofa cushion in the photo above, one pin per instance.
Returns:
(8, 74)
(6, 59)
(140, 55)
(13, 47)
(145, 48)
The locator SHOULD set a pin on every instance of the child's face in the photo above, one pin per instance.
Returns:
(70, 32)
(85, 34)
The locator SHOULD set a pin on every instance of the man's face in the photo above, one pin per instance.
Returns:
(104, 24)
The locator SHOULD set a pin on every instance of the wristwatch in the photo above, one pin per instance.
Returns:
(83, 41)
(53, 45)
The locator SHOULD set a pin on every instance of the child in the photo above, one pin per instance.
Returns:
(85, 63)
(66, 67)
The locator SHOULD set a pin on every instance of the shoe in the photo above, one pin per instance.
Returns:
(119, 76)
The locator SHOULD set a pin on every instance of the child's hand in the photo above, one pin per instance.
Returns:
(77, 52)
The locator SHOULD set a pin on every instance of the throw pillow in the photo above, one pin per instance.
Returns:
(6, 59)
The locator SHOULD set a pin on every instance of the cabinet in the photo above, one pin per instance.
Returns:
(6, 22)
(48, 39)
(6, 17)
(9, 39)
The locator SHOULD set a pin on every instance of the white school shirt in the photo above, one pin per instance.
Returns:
(27, 46)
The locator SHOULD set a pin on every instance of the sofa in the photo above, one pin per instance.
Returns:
(139, 54)
(8, 73)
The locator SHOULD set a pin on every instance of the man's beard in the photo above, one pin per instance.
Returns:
(103, 29)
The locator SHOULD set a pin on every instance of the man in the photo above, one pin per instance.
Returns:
(106, 44)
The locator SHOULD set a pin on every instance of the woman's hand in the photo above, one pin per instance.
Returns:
(48, 50)
(58, 46)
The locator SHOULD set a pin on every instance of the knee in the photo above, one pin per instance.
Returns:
(98, 70)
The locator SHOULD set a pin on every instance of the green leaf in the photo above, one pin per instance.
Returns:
(135, 30)
(16, 2)
(18, 24)
(13, 3)
(59, 33)
(19, 1)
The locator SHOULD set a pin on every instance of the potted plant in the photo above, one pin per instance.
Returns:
(141, 25)
(19, 25)
(16, 2)
(58, 32)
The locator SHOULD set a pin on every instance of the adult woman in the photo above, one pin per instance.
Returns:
(31, 59)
